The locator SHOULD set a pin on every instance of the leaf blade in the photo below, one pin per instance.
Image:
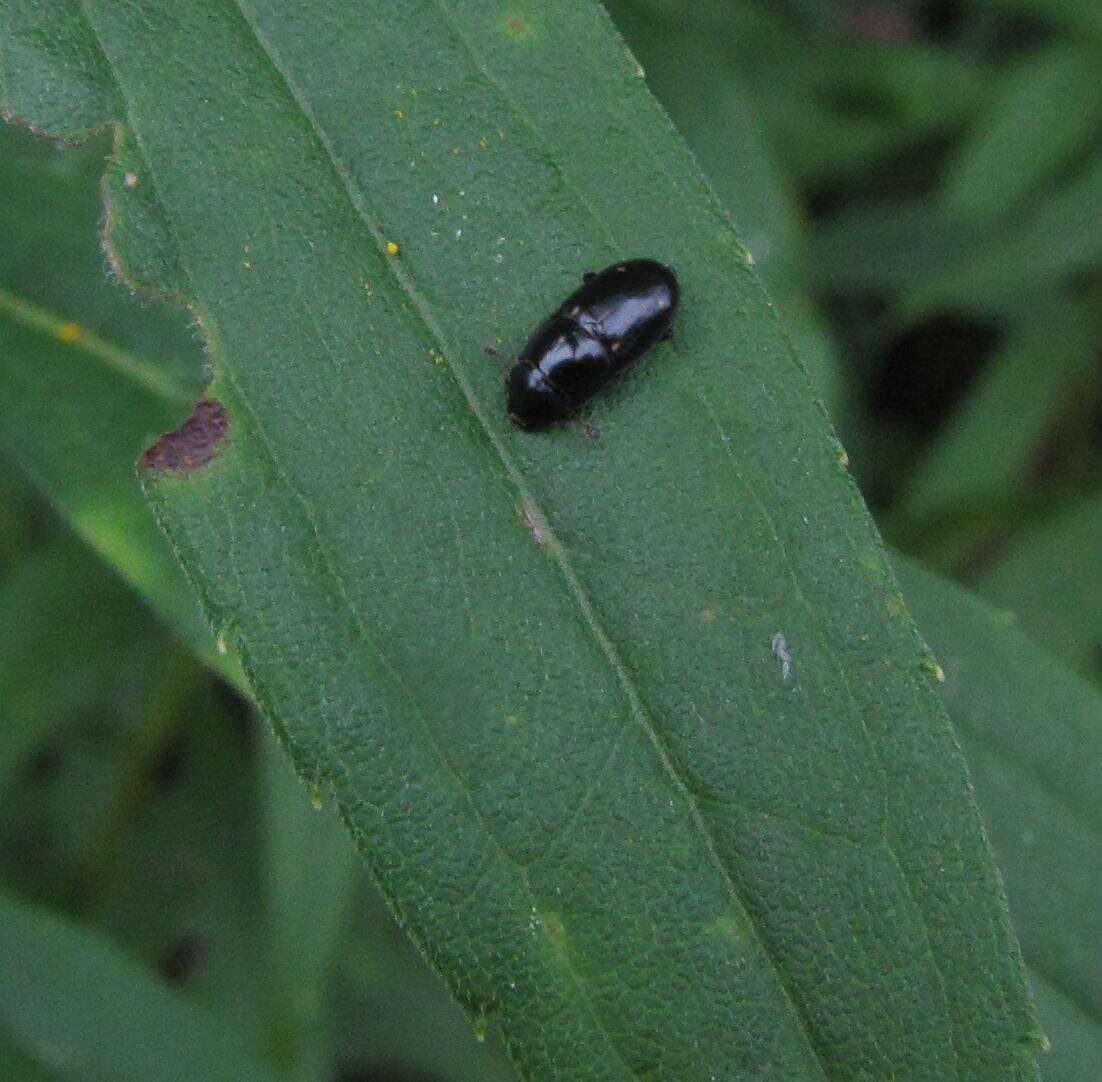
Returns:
(131, 1028)
(1030, 728)
(466, 485)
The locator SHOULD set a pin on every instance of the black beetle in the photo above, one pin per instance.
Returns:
(601, 329)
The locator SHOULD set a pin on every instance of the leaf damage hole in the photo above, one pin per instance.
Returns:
(194, 443)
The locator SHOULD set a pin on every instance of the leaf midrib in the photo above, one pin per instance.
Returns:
(631, 693)
(581, 978)
(52, 326)
(358, 201)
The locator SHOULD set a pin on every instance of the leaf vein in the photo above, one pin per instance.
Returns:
(608, 649)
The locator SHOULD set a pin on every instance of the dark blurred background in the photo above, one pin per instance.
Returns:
(920, 184)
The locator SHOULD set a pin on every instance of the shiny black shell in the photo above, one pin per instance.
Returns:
(598, 331)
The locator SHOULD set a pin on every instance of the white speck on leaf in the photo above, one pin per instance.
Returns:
(532, 518)
(783, 655)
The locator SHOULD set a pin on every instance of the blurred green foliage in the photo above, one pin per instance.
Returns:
(921, 187)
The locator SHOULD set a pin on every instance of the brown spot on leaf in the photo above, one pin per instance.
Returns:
(194, 443)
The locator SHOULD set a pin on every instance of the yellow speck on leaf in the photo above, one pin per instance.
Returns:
(484, 142)
(69, 332)
(247, 264)
(931, 668)
(399, 114)
(392, 248)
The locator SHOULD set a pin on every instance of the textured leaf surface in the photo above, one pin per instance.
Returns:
(77, 432)
(538, 671)
(1032, 733)
(97, 376)
(719, 119)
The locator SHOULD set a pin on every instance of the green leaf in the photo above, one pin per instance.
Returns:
(88, 1012)
(984, 451)
(53, 74)
(833, 106)
(77, 626)
(538, 671)
(20, 1063)
(1045, 575)
(203, 894)
(1081, 16)
(1048, 107)
(177, 880)
(889, 245)
(379, 975)
(715, 113)
(310, 874)
(16, 517)
(722, 123)
(97, 376)
(1047, 244)
(1031, 732)
(1075, 1036)
(937, 259)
